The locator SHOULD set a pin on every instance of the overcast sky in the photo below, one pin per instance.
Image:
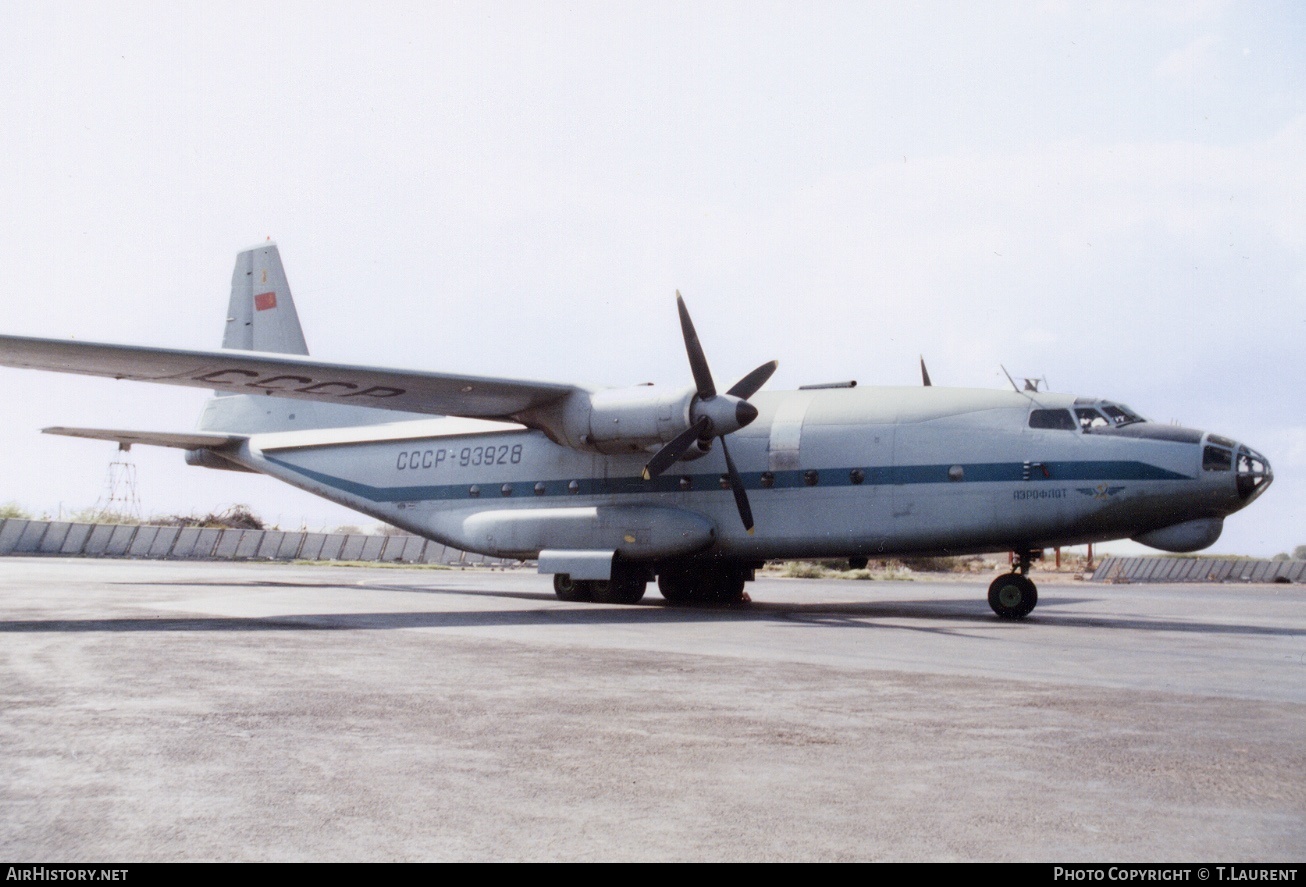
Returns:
(1111, 195)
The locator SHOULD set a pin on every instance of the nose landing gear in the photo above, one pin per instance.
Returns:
(1013, 595)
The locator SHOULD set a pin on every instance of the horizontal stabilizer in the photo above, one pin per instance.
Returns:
(189, 440)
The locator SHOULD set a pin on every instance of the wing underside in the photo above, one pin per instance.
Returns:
(290, 376)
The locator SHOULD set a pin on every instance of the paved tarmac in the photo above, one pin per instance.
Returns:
(197, 711)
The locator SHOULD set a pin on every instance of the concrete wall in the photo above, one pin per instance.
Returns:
(1186, 569)
(63, 539)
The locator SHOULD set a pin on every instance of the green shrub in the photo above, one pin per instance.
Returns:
(14, 510)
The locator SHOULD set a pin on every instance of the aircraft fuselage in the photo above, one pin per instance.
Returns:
(831, 473)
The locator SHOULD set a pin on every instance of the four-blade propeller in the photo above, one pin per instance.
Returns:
(714, 415)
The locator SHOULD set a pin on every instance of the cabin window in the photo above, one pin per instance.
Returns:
(1059, 419)
(1217, 459)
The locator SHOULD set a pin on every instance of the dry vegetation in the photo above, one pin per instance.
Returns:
(907, 568)
(237, 517)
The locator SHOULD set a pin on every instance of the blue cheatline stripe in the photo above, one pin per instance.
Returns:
(980, 472)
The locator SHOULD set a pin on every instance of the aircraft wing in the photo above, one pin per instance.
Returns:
(186, 440)
(301, 378)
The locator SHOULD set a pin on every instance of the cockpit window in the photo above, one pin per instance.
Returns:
(1106, 415)
(1060, 419)
(1217, 459)
(1090, 418)
(1120, 414)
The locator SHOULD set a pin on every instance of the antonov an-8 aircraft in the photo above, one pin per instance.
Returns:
(610, 487)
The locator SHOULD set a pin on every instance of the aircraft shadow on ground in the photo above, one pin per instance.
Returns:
(955, 613)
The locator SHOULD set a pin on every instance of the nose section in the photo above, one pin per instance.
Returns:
(1253, 473)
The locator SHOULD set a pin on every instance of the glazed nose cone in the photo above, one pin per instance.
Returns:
(1253, 475)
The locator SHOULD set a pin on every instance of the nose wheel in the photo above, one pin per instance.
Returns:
(1012, 596)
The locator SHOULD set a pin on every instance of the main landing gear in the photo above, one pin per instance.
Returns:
(1013, 595)
(625, 587)
(686, 585)
(715, 584)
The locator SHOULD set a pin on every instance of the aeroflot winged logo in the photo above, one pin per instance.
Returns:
(1101, 491)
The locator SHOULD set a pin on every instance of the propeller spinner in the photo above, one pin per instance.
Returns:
(713, 415)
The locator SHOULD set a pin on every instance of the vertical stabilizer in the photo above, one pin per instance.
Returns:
(262, 314)
(262, 317)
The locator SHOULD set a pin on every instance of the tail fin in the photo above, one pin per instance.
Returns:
(262, 314)
(262, 317)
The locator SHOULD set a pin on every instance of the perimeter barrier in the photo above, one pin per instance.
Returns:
(66, 539)
(1198, 569)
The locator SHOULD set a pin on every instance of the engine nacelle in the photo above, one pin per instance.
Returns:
(631, 420)
(638, 419)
